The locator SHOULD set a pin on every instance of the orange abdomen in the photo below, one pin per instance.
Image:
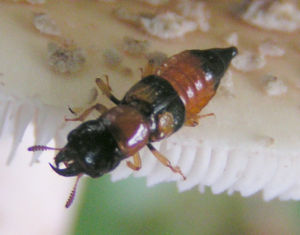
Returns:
(186, 75)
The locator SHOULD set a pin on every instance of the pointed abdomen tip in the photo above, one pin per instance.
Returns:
(226, 55)
(234, 51)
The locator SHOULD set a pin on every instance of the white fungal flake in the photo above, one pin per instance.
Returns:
(65, 59)
(248, 61)
(112, 57)
(270, 48)
(167, 25)
(227, 85)
(125, 15)
(232, 39)
(196, 11)
(45, 24)
(134, 46)
(277, 15)
(163, 25)
(274, 86)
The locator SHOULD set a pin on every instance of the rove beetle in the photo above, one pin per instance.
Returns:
(153, 109)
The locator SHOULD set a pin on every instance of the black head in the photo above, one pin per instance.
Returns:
(90, 150)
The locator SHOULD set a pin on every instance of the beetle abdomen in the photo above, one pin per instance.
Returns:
(196, 74)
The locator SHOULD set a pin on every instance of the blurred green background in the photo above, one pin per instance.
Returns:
(129, 207)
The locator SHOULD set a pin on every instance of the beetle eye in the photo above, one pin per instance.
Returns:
(89, 158)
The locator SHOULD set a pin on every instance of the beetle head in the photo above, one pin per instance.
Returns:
(90, 150)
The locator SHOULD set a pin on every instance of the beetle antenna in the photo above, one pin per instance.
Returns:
(42, 148)
(73, 192)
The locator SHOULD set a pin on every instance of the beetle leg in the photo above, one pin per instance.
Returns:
(137, 163)
(206, 115)
(194, 120)
(99, 107)
(165, 161)
(105, 88)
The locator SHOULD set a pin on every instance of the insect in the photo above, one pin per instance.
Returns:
(153, 109)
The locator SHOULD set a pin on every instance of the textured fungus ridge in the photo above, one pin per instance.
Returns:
(231, 170)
